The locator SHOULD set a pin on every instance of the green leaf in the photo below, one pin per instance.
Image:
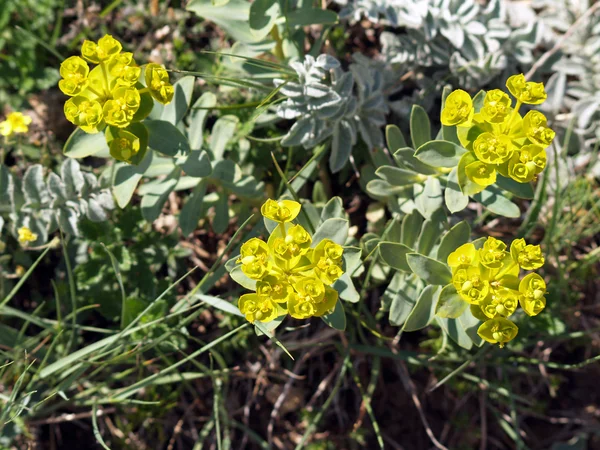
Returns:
(381, 188)
(219, 303)
(154, 200)
(405, 157)
(411, 228)
(456, 332)
(424, 310)
(470, 324)
(334, 229)
(334, 209)
(428, 199)
(497, 203)
(263, 14)
(221, 134)
(394, 255)
(81, 144)
(198, 119)
(450, 305)
(428, 269)
(221, 219)
(240, 277)
(231, 17)
(175, 111)
(431, 231)
(521, 190)
(395, 138)
(337, 319)
(270, 326)
(345, 287)
(191, 212)
(440, 153)
(127, 178)
(311, 16)
(405, 293)
(455, 199)
(197, 164)
(166, 138)
(420, 129)
(398, 177)
(458, 235)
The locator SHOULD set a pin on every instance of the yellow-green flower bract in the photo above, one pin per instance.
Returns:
(488, 279)
(292, 277)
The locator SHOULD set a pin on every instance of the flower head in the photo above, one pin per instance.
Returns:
(536, 129)
(529, 257)
(157, 80)
(255, 307)
(481, 173)
(496, 106)
(74, 72)
(106, 48)
(120, 110)
(493, 149)
(458, 109)
(124, 146)
(466, 254)
(280, 211)
(15, 123)
(498, 331)
(85, 113)
(532, 289)
(526, 91)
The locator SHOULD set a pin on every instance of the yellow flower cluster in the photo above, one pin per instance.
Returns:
(498, 138)
(292, 277)
(15, 123)
(488, 279)
(26, 236)
(112, 94)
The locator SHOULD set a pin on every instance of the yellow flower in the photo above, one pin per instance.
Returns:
(310, 288)
(496, 106)
(125, 146)
(536, 129)
(470, 285)
(458, 109)
(526, 91)
(327, 260)
(120, 110)
(328, 304)
(275, 288)
(466, 254)
(493, 149)
(301, 308)
(535, 154)
(157, 80)
(500, 302)
(254, 257)
(280, 211)
(529, 257)
(481, 173)
(532, 288)
(15, 123)
(493, 253)
(124, 69)
(84, 113)
(106, 48)
(498, 331)
(258, 308)
(26, 236)
(74, 71)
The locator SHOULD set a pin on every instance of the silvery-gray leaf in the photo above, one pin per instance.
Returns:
(327, 62)
(56, 187)
(34, 188)
(95, 212)
(67, 220)
(297, 132)
(70, 172)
